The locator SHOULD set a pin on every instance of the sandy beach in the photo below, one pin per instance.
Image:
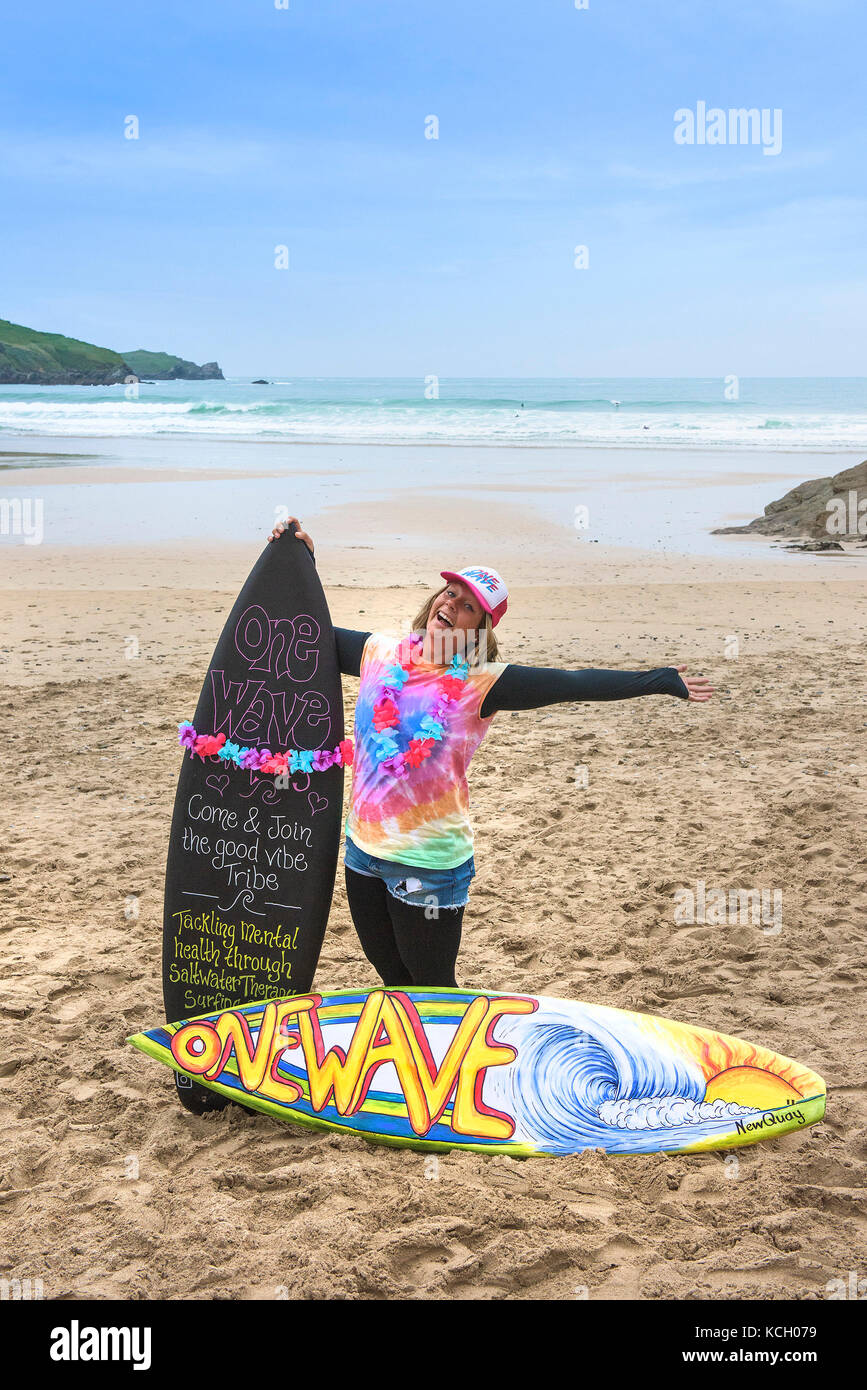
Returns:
(109, 1190)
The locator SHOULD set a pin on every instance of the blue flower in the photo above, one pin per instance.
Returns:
(431, 727)
(386, 747)
(396, 676)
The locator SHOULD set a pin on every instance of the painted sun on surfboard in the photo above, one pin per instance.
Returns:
(497, 1073)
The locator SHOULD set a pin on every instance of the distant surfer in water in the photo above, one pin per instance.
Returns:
(424, 705)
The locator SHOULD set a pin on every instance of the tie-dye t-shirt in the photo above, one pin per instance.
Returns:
(422, 818)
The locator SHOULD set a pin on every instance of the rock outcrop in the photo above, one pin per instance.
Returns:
(162, 366)
(820, 509)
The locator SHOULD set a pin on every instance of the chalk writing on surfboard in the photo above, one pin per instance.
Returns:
(221, 942)
(246, 867)
(252, 711)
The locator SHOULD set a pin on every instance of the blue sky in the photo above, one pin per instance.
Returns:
(306, 127)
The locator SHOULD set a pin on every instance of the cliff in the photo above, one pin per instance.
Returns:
(30, 358)
(162, 366)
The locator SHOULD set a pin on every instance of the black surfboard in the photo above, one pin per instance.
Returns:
(252, 858)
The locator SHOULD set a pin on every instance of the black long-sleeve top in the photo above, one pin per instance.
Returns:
(529, 687)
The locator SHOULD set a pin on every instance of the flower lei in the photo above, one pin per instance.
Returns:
(430, 728)
(262, 759)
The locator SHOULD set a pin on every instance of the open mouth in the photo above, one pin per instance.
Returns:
(443, 621)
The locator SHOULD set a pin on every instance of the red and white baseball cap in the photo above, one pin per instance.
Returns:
(487, 586)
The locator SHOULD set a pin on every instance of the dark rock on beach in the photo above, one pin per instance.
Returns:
(814, 547)
(805, 511)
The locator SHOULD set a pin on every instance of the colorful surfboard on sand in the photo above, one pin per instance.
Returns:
(497, 1073)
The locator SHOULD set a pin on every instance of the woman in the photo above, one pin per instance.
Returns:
(424, 705)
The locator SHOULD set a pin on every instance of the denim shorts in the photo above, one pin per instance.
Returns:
(411, 883)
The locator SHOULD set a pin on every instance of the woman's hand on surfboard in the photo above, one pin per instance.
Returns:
(284, 526)
(699, 687)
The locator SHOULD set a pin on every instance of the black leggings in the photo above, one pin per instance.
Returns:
(403, 945)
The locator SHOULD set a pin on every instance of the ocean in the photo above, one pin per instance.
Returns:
(656, 463)
(789, 415)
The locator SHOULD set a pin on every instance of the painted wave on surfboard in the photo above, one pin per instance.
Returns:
(541, 1075)
(571, 1088)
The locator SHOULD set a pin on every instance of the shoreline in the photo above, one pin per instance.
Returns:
(286, 442)
(656, 502)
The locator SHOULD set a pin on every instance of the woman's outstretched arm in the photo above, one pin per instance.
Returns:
(529, 687)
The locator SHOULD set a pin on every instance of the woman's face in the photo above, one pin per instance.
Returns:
(456, 608)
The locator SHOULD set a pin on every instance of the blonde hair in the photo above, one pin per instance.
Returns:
(486, 649)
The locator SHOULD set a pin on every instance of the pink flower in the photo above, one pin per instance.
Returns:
(209, 745)
(385, 715)
(419, 749)
(397, 765)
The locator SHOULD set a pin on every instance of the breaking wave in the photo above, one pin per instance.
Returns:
(571, 1089)
(678, 414)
